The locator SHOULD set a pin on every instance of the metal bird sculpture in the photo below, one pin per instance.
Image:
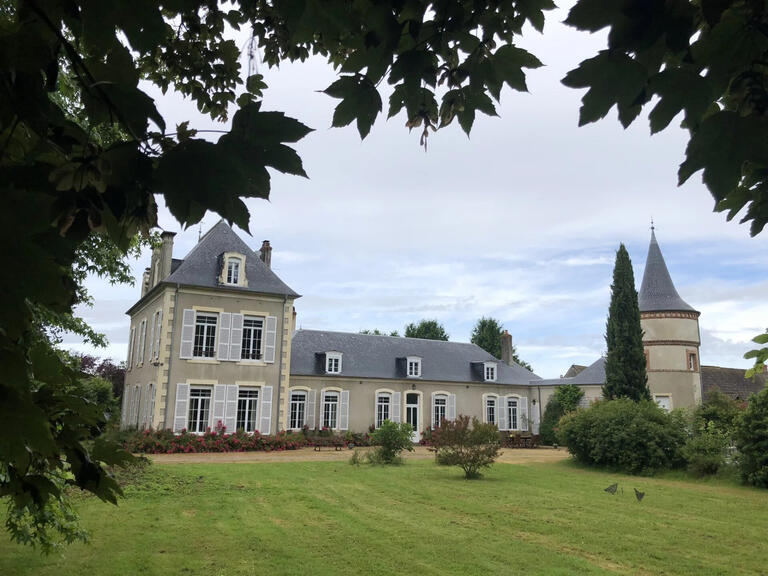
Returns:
(612, 488)
(639, 495)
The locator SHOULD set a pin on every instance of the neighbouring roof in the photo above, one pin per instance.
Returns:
(369, 356)
(730, 381)
(574, 370)
(592, 375)
(202, 265)
(657, 292)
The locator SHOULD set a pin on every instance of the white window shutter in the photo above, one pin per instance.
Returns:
(501, 413)
(225, 321)
(130, 348)
(230, 412)
(182, 403)
(266, 410)
(219, 404)
(432, 412)
(126, 404)
(269, 341)
(309, 413)
(395, 415)
(137, 406)
(152, 337)
(187, 333)
(344, 411)
(159, 333)
(523, 416)
(536, 416)
(145, 409)
(236, 337)
(450, 412)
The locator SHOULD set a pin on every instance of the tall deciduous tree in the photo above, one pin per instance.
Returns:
(625, 362)
(429, 329)
(487, 334)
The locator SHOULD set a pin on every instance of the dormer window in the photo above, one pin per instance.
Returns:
(233, 271)
(490, 371)
(414, 367)
(333, 362)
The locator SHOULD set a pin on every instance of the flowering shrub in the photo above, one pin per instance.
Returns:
(166, 442)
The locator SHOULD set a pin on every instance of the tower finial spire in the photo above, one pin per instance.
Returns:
(652, 226)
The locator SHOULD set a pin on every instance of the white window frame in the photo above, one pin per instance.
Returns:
(232, 272)
(131, 342)
(206, 329)
(330, 419)
(263, 329)
(296, 423)
(436, 408)
(508, 408)
(251, 407)
(151, 408)
(380, 408)
(486, 404)
(490, 371)
(154, 348)
(198, 421)
(333, 362)
(142, 342)
(413, 367)
(665, 395)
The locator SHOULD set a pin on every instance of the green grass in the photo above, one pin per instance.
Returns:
(333, 518)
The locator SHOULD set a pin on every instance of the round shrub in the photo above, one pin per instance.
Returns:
(751, 436)
(705, 451)
(391, 438)
(634, 437)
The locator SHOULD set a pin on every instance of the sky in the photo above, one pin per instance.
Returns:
(520, 222)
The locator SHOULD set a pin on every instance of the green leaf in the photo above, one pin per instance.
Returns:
(360, 101)
(612, 79)
(255, 84)
(679, 89)
(509, 61)
(722, 144)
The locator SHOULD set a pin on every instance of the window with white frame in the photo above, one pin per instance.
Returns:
(692, 364)
(130, 348)
(441, 402)
(333, 362)
(233, 271)
(156, 329)
(383, 407)
(298, 410)
(253, 332)
(664, 401)
(205, 335)
(490, 410)
(512, 413)
(199, 409)
(247, 409)
(414, 367)
(142, 341)
(151, 407)
(331, 410)
(490, 371)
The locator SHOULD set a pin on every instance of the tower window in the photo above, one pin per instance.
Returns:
(693, 364)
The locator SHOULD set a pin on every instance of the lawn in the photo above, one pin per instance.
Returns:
(334, 518)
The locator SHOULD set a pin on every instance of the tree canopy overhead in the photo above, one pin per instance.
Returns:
(486, 333)
(428, 329)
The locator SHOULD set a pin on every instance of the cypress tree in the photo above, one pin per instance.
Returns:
(625, 363)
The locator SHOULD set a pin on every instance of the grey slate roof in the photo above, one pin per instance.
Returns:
(657, 292)
(594, 374)
(731, 382)
(368, 356)
(202, 265)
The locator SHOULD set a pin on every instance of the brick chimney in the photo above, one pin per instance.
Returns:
(166, 254)
(266, 253)
(145, 282)
(506, 348)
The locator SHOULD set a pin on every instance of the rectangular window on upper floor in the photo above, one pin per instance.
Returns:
(205, 335)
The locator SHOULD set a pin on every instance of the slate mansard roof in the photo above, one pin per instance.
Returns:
(594, 374)
(202, 266)
(368, 356)
(657, 292)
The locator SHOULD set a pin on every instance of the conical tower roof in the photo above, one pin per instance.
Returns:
(657, 292)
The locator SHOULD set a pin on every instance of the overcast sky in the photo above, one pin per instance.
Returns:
(520, 222)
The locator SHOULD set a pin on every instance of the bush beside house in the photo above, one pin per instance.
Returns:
(751, 438)
(470, 448)
(634, 437)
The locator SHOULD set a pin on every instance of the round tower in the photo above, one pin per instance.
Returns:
(670, 336)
